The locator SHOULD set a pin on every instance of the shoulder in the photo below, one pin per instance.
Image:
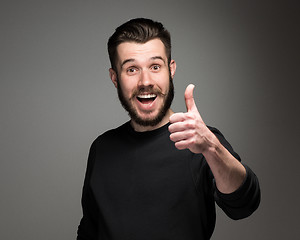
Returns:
(112, 137)
(113, 133)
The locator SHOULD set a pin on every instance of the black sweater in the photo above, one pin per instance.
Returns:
(138, 186)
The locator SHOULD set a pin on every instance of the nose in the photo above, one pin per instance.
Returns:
(145, 79)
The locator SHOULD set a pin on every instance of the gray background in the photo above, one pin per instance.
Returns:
(56, 98)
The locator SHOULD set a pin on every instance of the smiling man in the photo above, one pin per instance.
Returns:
(159, 175)
(143, 76)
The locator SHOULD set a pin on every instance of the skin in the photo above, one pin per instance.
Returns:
(188, 131)
(142, 68)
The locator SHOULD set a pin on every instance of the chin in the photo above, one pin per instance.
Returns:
(149, 121)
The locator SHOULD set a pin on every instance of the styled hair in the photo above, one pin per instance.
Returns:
(139, 30)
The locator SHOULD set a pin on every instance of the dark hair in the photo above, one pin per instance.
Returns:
(138, 30)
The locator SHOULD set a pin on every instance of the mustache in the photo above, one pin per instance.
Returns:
(148, 90)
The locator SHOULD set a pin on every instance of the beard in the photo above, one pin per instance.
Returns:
(168, 98)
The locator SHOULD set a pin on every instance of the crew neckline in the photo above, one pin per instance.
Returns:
(151, 133)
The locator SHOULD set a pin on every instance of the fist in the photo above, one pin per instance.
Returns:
(188, 131)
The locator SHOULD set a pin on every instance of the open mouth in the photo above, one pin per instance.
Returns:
(146, 98)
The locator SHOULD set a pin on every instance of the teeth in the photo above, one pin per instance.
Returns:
(147, 96)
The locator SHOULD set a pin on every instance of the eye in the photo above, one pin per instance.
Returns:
(155, 68)
(131, 70)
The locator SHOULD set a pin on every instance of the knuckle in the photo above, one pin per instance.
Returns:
(179, 145)
(190, 115)
(172, 137)
(190, 124)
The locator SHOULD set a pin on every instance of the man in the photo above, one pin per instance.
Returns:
(159, 175)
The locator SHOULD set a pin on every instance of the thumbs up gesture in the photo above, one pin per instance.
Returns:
(188, 130)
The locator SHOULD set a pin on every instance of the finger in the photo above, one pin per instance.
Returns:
(177, 117)
(189, 98)
(180, 136)
(177, 136)
(177, 127)
(182, 126)
(182, 145)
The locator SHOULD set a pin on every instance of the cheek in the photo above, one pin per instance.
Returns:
(127, 87)
(166, 83)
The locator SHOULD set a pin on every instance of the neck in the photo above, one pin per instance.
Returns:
(164, 121)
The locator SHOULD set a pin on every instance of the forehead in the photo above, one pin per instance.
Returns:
(141, 51)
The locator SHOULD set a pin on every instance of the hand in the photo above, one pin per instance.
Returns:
(188, 130)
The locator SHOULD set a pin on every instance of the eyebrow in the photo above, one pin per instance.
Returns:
(132, 60)
(158, 57)
(126, 61)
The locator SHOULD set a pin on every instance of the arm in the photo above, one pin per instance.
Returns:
(237, 188)
(245, 200)
(87, 227)
(229, 173)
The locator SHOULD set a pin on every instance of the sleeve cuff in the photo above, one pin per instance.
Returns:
(240, 192)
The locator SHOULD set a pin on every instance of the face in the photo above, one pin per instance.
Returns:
(144, 81)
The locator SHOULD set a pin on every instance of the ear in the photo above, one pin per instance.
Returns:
(172, 68)
(113, 77)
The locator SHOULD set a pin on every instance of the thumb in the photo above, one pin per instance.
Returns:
(189, 98)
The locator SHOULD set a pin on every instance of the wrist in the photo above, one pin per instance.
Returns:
(213, 145)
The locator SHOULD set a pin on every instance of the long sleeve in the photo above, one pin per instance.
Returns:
(148, 184)
(244, 201)
(87, 229)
